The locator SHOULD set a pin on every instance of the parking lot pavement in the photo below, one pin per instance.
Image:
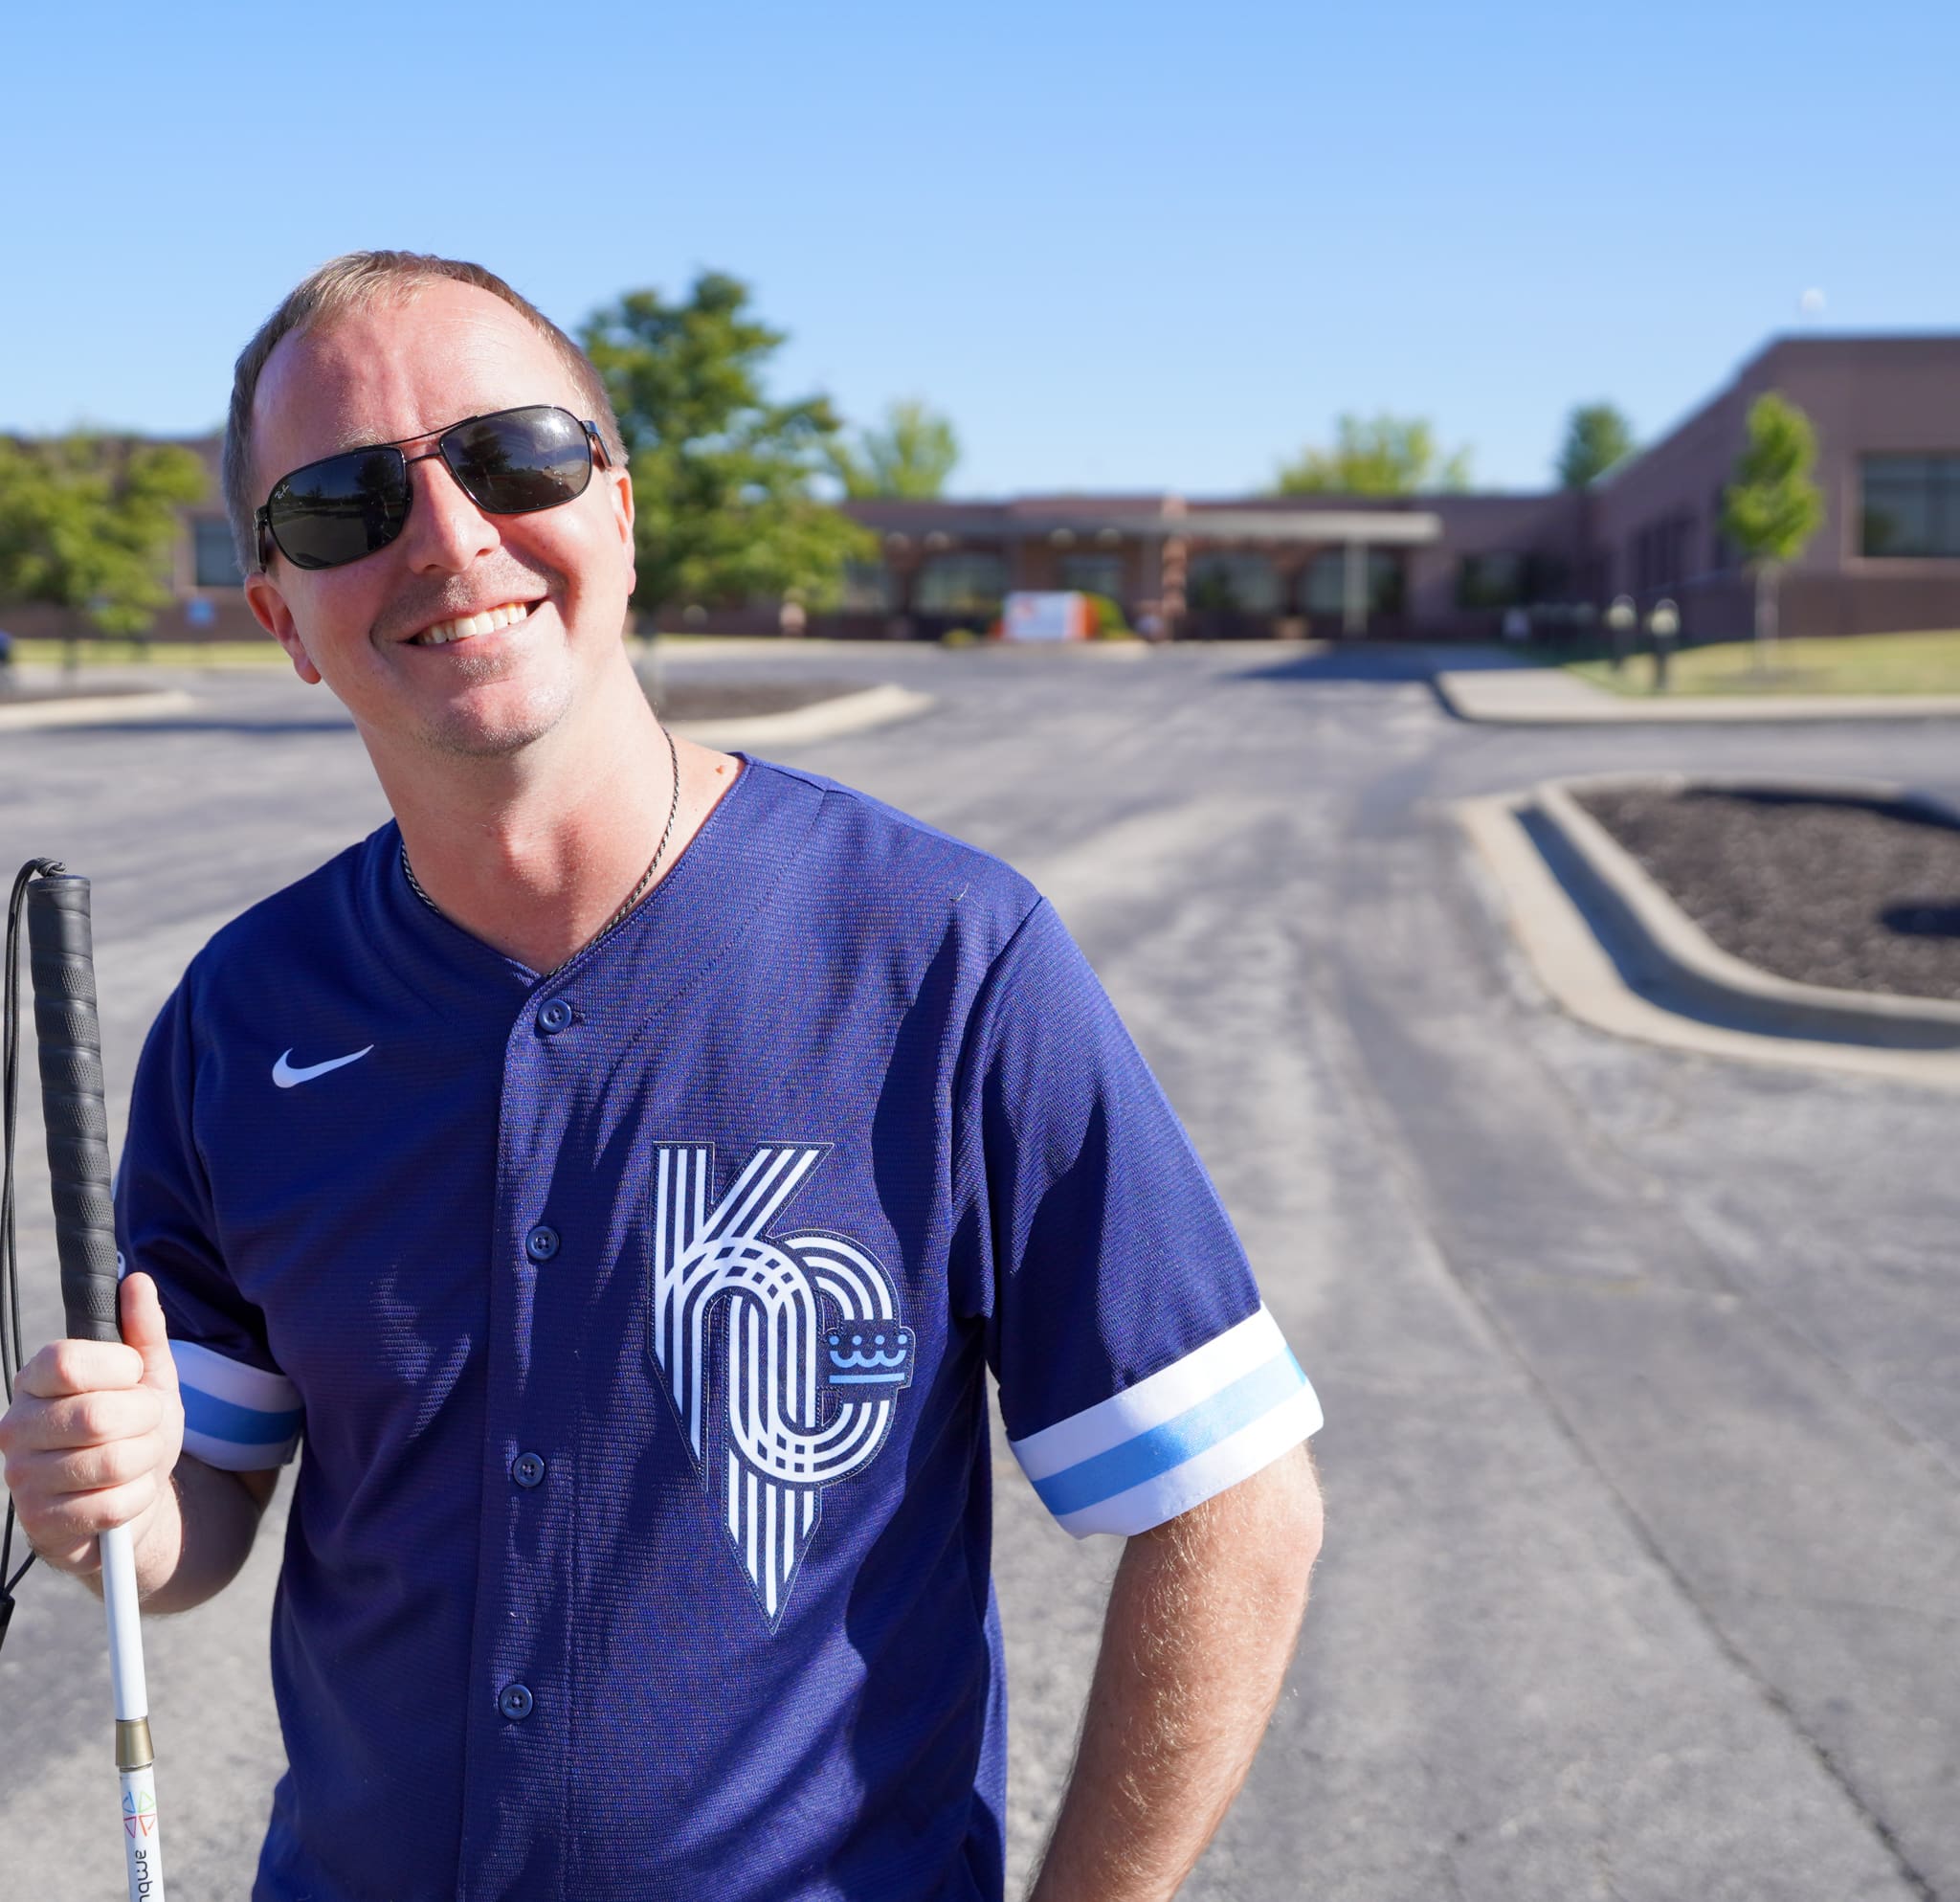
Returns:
(1644, 1441)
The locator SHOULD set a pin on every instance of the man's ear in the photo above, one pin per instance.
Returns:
(622, 512)
(270, 611)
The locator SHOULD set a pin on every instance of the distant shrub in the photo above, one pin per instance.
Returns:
(1107, 618)
(959, 636)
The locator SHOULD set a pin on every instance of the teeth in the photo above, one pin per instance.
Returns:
(466, 625)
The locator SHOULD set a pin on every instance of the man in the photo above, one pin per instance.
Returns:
(621, 1170)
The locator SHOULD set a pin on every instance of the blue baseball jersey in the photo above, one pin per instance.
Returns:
(636, 1323)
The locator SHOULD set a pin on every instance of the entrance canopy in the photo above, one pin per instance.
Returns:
(1399, 526)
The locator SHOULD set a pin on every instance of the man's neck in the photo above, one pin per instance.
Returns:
(535, 853)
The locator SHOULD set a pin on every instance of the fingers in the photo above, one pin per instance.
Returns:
(93, 1434)
(83, 1420)
(64, 1531)
(63, 1367)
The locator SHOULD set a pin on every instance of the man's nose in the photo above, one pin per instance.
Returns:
(446, 530)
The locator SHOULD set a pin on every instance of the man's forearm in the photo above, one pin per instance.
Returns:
(196, 1538)
(1201, 1624)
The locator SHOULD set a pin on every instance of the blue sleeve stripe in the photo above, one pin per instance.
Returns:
(226, 1422)
(1152, 1454)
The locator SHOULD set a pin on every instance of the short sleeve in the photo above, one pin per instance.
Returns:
(240, 1411)
(1139, 1371)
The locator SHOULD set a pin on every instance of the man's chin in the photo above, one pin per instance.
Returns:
(494, 725)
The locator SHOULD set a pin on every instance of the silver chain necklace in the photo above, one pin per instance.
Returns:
(633, 898)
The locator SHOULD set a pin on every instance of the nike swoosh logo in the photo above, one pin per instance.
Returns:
(286, 1076)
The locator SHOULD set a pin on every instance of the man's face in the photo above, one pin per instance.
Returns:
(374, 629)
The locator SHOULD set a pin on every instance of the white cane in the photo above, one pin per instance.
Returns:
(68, 1033)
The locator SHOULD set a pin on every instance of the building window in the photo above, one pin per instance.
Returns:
(1242, 584)
(1492, 580)
(1910, 505)
(961, 584)
(1324, 586)
(868, 588)
(213, 561)
(1093, 575)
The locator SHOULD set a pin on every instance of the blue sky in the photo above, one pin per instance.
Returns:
(1122, 246)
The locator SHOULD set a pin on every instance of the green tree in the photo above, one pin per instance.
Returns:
(1597, 438)
(1380, 454)
(722, 474)
(1773, 508)
(909, 457)
(88, 523)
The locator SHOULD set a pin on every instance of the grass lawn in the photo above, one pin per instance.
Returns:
(108, 652)
(1866, 664)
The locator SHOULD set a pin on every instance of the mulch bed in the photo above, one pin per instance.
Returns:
(731, 699)
(83, 690)
(1856, 894)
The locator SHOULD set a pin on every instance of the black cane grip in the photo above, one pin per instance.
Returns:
(61, 956)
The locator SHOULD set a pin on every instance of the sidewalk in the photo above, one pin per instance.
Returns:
(1525, 695)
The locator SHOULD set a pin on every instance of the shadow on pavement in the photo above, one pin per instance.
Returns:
(1349, 664)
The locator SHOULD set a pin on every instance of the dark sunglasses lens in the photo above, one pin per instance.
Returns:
(521, 461)
(341, 509)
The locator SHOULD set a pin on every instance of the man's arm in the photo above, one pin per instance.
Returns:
(1201, 1624)
(93, 1439)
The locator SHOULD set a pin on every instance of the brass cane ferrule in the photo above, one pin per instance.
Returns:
(133, 1749)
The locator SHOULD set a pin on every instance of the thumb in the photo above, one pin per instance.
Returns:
(143, 1329)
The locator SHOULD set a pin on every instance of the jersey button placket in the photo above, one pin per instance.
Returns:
(528, 1469)
(515, 1702)
(541, 1242)
(556, 1015)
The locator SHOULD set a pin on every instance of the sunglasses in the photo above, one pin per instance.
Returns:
(511, 462)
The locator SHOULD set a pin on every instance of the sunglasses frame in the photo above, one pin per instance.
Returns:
(597, 455)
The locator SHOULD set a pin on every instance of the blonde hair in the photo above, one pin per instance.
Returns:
(357, 282)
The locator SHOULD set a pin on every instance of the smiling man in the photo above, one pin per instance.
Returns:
(621, 1172)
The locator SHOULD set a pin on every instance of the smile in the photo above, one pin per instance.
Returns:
(466, 627)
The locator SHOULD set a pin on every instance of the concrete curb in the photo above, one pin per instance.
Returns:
(826, 719)
(95, 710)
(1565, 955)
(1504, 697)
(1683, 955)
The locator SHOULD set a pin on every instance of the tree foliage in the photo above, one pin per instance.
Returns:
(1773, 508)
(1597, 435)
(1379, 455)
(88, 523)
(722, 473)
(909, 457)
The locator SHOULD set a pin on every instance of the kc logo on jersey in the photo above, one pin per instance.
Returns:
(813, 1352)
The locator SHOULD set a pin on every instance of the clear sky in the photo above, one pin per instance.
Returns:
(1124, 246)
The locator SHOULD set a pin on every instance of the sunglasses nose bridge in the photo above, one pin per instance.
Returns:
(445, 513)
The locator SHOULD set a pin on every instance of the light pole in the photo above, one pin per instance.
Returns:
(1663, 628)
(1621, 620)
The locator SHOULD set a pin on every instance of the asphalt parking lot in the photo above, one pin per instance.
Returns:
(1641, 1369)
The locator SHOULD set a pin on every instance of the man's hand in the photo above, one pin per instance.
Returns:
(93, 1434)
(1201, 1624)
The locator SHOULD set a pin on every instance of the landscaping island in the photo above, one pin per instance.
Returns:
(1854, 894)
(683, 700)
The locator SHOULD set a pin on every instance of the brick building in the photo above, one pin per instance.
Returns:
(1435, 566)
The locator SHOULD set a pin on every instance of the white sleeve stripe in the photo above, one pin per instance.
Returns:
(240, 1418)
(233, 1381)
(1204, 1371)
(1204, 1476)
(230, 1456)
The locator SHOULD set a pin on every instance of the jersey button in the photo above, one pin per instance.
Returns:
(513, 1700)
(528, 1469)
(540, 1244)
(556, 1015)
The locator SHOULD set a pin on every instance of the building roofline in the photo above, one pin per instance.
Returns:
(1795, 342)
